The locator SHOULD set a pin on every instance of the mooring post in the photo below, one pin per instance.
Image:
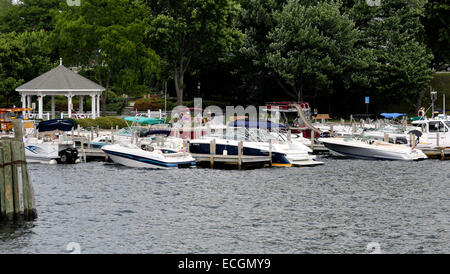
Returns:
(2, 186)
(331, 131)
(212, 152)
(270, 152)
(9, 190)
(89, 141)
(17, 179)
(386, 137)
(82, 149)
(96, 131)
(312, 140)
(240, 150)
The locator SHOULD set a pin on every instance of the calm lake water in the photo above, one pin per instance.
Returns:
(339, 207)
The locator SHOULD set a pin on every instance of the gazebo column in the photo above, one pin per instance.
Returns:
(41, 106)
(69, 105)
(80, 106)
(24, 101)
(29, 103)
(53, 107)
(93, 106)
(98, 105)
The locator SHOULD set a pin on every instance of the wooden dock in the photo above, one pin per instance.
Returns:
(240, 160)
(232, 160)
(442, 153)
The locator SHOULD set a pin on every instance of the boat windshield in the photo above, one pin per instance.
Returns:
(447, 123)
(130, 131)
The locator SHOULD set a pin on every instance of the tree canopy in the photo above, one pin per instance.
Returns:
(245, 51)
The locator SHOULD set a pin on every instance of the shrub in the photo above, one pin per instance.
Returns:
(101, 122)
(86, 123)
(152, 103)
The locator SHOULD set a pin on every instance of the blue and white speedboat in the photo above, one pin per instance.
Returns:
(255, 143)
(148, 157)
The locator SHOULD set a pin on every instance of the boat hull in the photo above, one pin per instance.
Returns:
(140, 159)
(372, 153)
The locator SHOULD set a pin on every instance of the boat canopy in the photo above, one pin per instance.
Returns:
(157, 132)
(55, 124)
(144, 120)
(255, 124)
(393, 115)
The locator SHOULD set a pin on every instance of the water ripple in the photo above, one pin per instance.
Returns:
(335, 208)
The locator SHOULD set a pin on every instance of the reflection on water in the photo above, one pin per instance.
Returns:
(339, 207)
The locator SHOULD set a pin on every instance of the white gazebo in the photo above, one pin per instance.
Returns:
(61, 81)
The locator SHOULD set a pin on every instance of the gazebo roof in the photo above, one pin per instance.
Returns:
(60, 81)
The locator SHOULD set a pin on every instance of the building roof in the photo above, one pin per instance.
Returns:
(60, 80)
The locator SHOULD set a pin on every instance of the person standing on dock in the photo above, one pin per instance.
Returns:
(421, 112)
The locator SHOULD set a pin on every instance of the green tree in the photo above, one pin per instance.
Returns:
(311, 45)
(256, 20)
(184, 30)
(437, 30)
(106, 37)
(393, 32)
(27, 15)
(22, 57)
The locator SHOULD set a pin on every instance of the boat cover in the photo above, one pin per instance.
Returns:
(157, 132)
(55, 124)
(144, 120)
(393, 115)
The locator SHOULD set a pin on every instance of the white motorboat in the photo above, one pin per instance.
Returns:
(48, 145)
(364, 148)
(435, 133)
(148, 157)
(255, 143)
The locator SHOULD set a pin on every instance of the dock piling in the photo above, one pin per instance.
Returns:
(16, 190)
(240, 151)
(212, 152)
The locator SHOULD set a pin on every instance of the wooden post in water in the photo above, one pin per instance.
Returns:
(2, 187)
(240, 151)
(386, 137)
(312, 140)
(8, 180)
(331, 131)
(83, 155)
(270, 151)
(16, 190)
(212, 152)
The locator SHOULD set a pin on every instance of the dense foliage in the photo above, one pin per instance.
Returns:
(331, 53)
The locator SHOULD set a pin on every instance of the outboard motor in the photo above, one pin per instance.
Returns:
(68, 156)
